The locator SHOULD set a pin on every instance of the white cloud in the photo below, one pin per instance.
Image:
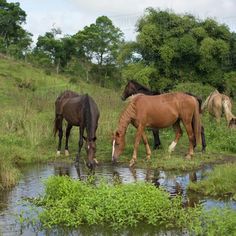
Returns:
(72, 15)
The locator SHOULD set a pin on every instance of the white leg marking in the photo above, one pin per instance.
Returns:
(113, 148)
(172, 146)
(58, 153)
(67, 153)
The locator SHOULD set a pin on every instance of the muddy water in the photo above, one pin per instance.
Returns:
(31, 185)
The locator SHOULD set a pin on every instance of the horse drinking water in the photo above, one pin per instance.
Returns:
(158, 111)
(77, 110)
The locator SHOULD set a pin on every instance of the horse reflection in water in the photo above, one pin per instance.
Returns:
(82, 111)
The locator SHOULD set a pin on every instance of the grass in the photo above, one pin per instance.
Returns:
(218, 183)
(71, 203)
(27, 112)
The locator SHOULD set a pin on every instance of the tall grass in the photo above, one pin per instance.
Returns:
(218, 183)
(27, 113)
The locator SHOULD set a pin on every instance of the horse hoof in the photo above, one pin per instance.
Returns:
(131, 163)
(58, 153)
(188, 157)
(95, 161)
(67, 153)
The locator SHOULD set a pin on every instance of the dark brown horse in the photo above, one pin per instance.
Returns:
(159, 111)
(77, 110)
(133, 87)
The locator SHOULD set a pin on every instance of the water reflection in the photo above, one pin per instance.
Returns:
(31, 185)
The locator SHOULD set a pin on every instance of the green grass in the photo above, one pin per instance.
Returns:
(71, 203)
(27, 112)
(218, 183)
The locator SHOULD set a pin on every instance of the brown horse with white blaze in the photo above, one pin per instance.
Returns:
(159, 111)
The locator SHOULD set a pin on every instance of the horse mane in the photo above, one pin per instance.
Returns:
(143, 89)
(67, 94)
(128, 113)
(87, 115)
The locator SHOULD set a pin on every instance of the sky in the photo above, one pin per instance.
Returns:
(73, 15)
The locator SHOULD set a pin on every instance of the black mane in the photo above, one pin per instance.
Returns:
(142, 89)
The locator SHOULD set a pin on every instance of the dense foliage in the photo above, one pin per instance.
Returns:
(71, 203)
(169, 49)
(182, 48)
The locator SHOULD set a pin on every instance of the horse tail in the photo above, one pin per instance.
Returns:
(57, 122)
(197, 123)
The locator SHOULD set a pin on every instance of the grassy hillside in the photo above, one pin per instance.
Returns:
(27, 98)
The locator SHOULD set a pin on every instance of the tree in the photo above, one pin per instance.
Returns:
(100, 41)
(98, 45)
(11, 33)
(59, 50)
(183, 48)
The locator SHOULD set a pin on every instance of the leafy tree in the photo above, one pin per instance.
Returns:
(100, 41)
(13, 38)
(59, 50)
(183, 48)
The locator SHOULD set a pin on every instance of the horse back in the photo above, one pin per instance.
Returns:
(164, 110)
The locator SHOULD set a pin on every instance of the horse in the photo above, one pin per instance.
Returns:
(133, 87)
(77, 110)
(158, 111)
(218, 104)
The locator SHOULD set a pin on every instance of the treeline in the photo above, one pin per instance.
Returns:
(170, 49)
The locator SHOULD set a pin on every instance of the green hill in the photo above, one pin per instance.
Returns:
(27, 96)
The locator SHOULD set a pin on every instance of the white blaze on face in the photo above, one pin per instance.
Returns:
(113, 147)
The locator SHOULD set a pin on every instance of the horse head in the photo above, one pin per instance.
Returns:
(90, 148)
(129, 90)
(118, 145)
(232, 123)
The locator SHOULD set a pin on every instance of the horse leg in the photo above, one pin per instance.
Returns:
(203, 139)
(68, 129)
(191, 137)
(138, 136)
(81, 133)
(178, 134)
(148, 150)
(60, 135)
(157, 141)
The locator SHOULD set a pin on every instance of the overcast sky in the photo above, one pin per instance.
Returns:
(72, 15)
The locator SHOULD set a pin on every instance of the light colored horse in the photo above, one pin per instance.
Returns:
(218, 104)
(159, 111)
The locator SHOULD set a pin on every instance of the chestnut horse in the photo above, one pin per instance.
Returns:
(218, 104)
(77, 110)
(133, 87)
(158, 111)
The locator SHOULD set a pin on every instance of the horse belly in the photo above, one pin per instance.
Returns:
(162, 118)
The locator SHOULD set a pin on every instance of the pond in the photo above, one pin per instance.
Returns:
(31, 185)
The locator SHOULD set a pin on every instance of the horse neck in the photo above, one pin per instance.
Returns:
(88, 118)
(126, 117)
